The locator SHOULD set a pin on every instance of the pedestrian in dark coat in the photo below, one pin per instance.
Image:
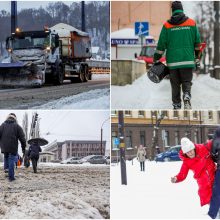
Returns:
(215, 200)
(33, 154)
(10, 133)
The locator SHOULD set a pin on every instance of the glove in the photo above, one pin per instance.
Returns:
(156, 62)
(173, 179)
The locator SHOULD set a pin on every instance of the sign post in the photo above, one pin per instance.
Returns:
(142, 30)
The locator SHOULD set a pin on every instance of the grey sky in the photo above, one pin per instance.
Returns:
(6, 5)
(68, 125)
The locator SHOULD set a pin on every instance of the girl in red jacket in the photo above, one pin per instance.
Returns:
(197, 157)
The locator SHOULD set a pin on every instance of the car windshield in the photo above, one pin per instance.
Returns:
(28, 42)
(148, 51)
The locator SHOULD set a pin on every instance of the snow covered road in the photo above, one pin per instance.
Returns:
(94, 99)
(151, 195)
(144, 94)
(57, 191)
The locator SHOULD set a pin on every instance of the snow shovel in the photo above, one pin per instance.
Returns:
(157, 72)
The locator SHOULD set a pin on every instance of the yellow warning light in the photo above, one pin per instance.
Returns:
(48, 48)
(17, 30)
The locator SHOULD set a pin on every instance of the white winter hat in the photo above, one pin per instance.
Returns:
(187, 145)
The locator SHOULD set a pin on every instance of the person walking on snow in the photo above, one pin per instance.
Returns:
(33, 154)
(180, 39)
(10, 133)
(214, 209)
(141, 153)
(197, 157)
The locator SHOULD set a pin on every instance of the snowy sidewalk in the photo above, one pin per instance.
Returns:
(150, 194)
(144, 94)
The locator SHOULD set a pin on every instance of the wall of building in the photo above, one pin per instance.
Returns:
(125, 13)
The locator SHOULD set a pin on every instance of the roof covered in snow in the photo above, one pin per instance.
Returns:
(64, 30)
(95, 49)
(126, 33)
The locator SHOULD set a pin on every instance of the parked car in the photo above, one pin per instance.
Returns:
(97, 159)
(85, 159)
(107, 158)
(172, 154)
(72, 160)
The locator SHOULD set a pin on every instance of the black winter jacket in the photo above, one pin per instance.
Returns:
(216, 147)
(10, 133)
(34, 151)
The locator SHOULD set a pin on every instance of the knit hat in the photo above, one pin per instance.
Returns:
(12, 115)
(187, 145)
(177, 5)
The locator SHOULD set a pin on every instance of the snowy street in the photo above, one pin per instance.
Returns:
(56, 191)
(144, 94)
(94, 99)
(151, 194)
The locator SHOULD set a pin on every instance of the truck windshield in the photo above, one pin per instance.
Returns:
(29, 42)
(148, 51)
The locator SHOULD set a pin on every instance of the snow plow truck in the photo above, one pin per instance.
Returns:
(51, 55)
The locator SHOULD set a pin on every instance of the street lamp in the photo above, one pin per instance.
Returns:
(102, 131)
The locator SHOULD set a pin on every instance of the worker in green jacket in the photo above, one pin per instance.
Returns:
(180, 39)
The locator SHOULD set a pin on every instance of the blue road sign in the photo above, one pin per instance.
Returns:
(116, 141)
(142, 28)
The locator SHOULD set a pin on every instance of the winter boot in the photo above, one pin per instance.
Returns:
(186, 100)
(176, 106)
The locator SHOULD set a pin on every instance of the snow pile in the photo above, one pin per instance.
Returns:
(151, 194)
(141, 94)
(94, 99)
(53, 192)
(100, 76)
(144, 94)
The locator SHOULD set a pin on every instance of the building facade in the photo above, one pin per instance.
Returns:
(125, 13)
(72, 148)
(139, 128)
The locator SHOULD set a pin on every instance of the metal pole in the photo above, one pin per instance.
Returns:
(101, 140)
(122, 147)
(13, 16)
(216, 38)
(83, 16)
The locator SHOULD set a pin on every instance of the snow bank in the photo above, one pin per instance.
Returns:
(56, 193)
(94, 99)
(151, 195)
(144, 94)
(100, 76)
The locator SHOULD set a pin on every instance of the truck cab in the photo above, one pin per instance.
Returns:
(147, 54)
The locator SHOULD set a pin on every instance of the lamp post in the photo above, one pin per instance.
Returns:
(102, 132)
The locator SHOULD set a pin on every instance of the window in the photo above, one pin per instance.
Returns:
(141, 114)
(127, 113)
(185, 114)
(164, 113)
(195, 114)
(128, 139)
(114, 113)
(166, 138)
(142, 138)
(153, 113)
(177, 137)
(188, 134)
(195, 137)
(175, 114)
(210, 113)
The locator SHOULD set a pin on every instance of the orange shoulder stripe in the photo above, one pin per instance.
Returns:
(188, 22)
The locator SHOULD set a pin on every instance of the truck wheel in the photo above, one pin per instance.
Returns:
(86, 73)
(58, 80)
(81, 76)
